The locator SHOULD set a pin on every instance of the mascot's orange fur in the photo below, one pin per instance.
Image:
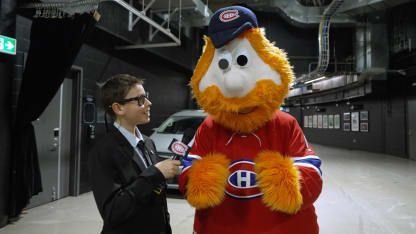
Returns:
(250, 163)
(266, 96)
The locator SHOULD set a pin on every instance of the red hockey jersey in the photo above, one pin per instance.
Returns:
(242, 210)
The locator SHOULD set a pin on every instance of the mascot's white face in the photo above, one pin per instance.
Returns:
(242, 83)
(236, 68)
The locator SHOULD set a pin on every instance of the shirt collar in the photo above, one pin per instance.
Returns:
(131, 138)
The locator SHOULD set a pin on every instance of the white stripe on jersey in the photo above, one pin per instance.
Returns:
(305, 157)
(194, 156)
(308, 165)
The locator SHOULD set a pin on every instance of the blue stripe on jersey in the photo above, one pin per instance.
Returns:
(188, 161)
(312, 161)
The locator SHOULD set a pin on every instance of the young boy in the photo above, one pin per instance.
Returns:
(128, 182)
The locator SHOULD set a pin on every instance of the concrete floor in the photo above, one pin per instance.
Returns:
(363, 193)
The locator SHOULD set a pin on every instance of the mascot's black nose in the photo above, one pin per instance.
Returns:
(223, 64)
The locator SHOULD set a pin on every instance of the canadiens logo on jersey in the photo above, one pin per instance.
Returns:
(242, 180)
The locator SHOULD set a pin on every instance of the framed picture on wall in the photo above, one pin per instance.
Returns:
(337, 121)
(330, 121)
(310, 121)
(355, 121)
(319, 121)
(315, 121)
(305, 121)
(364, 127)
(364, 115)
(325, 121)
(347, 127)
(347, 116)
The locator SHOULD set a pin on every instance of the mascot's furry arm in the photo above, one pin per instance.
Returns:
(207, 180)
(289, 184)
(278, 179)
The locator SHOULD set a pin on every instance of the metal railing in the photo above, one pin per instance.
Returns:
(68, 9)
(323, 40)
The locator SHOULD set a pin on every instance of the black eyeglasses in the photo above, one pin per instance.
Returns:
(140, 99)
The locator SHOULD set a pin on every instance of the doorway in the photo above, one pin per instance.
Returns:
(411, 131)
(57, 134)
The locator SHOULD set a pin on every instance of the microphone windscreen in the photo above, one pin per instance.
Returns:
(188, 134)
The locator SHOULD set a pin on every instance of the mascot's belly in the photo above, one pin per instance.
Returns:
(242, 210)
(237, 216)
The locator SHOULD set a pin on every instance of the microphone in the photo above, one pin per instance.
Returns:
(188, 135)
(181, 148)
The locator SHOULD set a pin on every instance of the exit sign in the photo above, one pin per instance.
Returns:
(7, 45)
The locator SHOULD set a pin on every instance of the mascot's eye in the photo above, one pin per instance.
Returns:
(242, 60)
(223, 64)
(224, 59)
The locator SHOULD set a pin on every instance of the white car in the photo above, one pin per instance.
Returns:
(174, 127)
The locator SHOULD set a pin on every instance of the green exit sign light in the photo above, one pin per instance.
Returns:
(7, 45)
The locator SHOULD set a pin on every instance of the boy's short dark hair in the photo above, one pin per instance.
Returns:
(116, 88)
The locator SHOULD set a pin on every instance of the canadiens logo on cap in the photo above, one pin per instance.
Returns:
(228, 23)
(229, 15)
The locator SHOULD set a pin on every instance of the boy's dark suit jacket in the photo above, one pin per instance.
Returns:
(124, 189)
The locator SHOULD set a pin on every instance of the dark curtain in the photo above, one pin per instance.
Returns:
(54, 45)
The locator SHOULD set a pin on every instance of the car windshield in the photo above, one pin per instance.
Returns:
(178, 124)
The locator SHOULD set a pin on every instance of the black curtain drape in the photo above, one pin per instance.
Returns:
(54, 45)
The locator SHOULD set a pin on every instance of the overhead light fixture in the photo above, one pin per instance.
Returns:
(356, 107)
(320, 78)
(320, 109)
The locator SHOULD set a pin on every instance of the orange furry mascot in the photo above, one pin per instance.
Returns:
(250, 169)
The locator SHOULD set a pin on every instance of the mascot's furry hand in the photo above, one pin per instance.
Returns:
(278, 180)
(207, 180)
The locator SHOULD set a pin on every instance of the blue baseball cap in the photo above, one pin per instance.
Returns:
(228, 23)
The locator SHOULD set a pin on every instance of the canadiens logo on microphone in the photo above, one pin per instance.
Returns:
(242, 180)
(178, 148)
(229, 15)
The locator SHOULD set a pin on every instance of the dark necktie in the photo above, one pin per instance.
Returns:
(146, 157)
(145, 154)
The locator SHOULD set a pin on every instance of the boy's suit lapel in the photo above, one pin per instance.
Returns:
(133, 156)
(127, 149)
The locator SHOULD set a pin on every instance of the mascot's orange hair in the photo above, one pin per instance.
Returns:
(267, 96)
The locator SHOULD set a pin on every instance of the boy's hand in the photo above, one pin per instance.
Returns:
(168, 167)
